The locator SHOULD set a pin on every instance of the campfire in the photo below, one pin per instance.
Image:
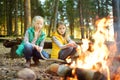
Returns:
(93, 59)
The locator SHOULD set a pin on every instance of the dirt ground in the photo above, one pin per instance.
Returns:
(9, 67)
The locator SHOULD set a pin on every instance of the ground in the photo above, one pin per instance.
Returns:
(9, 67)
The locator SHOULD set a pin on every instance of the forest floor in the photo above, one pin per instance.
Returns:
(10, 67)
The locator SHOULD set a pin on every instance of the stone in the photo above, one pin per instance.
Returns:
(26, 74)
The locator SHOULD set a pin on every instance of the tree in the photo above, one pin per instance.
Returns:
(27, 14)
(9, 9)
(49, 10)
(16, 18)
(36, 8)
(116, 14)
(70, 14)
(81, 18)
(21, 16)
(2, 17)
(56, 2)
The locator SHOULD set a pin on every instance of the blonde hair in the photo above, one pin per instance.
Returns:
(36, 18)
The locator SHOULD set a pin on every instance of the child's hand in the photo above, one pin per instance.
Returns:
(37, 48)
(71, 44)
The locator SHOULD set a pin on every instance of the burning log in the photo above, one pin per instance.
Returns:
(75, 73)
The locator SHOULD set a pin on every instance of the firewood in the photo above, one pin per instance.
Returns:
(82, 74)
(85, 74)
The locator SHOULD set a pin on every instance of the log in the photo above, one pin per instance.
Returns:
(82, 74)
(10, 43)
(13, 44)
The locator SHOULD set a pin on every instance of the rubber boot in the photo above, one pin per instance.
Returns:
(27, 64)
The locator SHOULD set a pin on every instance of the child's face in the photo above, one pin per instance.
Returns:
(38, 24)
(61, 29)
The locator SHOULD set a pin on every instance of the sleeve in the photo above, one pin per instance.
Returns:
(26, 37)
(69, 40)
(41, 45)
(58, 43)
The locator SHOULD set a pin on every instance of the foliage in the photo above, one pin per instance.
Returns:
(68, 11)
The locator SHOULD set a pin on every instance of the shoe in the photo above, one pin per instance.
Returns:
(27, 64)
(36, 61)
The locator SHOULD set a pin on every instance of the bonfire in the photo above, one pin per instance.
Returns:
(94, 59)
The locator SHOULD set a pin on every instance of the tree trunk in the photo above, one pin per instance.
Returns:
(51, 19)
(81, 18)
(55, 14)
(98, 11)
(27, 14)
(16, 18)
(21, 17)
(5, 13)
(116, 14)
(72, 29)
(9, 18)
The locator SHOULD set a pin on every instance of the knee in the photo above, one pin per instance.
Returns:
(28, 46)
(70, 48)
(27, 49)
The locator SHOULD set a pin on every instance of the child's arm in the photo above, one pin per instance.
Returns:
(59, 43)
(40, 46)
(26, 37)
(71, 42)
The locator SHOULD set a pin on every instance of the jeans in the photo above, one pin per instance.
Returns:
(64, 53)
(30, 51)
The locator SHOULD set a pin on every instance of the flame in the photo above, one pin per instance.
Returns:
(94, 55)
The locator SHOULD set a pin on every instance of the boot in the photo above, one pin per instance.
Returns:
(28, 62)
(36, 61)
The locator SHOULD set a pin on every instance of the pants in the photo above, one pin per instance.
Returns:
(29, 52)
(64, 53)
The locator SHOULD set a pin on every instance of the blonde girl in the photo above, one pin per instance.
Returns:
(32, 45)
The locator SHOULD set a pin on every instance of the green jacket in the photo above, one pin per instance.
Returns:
(31, 31)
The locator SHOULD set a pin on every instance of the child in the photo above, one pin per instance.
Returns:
(32, 45)
(62, 45)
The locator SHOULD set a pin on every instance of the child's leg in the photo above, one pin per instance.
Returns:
(64, 53)
(28, 53)
(28, 50)
(36, 57)
(42, 55)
